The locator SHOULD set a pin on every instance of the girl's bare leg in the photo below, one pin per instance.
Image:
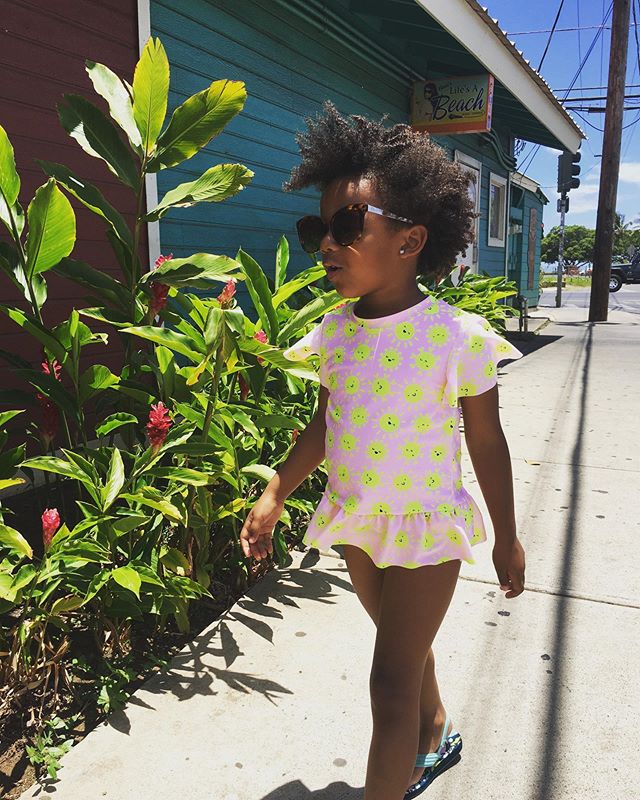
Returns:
(367, 580)
(412, 606)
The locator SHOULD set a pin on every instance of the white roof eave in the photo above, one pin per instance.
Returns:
(472, 26)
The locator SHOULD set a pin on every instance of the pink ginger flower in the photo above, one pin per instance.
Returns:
(294, 435)
(261, 336)
(225, 296)
(162, 259)
(158, 425)
(50, 524)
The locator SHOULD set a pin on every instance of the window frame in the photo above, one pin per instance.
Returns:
(501, 182)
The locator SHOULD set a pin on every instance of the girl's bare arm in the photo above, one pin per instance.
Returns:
(306, 455)
(491, 461)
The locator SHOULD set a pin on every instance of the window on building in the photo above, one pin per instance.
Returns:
(497, 208)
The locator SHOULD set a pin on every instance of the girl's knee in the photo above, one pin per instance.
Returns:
(392, 693)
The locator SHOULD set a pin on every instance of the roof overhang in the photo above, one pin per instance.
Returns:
(470, 24)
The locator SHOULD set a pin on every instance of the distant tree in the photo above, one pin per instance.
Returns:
(624, 237)
(578, 245)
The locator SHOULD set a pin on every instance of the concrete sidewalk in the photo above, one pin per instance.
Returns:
(272, 700)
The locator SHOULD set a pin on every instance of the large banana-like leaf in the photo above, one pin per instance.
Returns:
(109, 85)
(98, 137)
(214, 185)
(9, 180)
(150, 92)
(91, 197)
(11, 266)
(282, 261)
(52, 228)
(200, 271)
(193, 124)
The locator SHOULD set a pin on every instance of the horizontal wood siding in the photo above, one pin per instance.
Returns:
(290, 68)
(43, 48)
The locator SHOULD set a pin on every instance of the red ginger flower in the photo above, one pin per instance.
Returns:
(50, 413)
(294, 435)
(160, 292)
(244, 388)
(158, 424)
(50, 524)
(224, 298)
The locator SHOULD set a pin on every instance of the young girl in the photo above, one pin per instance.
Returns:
(397, 369)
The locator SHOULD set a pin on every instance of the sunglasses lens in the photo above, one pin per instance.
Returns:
(310, 233)
(346, 225)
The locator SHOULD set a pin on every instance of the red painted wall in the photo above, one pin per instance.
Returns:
(43, 47)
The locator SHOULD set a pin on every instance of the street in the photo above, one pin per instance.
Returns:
(625, 299)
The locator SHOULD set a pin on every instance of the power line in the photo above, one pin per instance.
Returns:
(561, 30)
(553, 27)
(595, 88)
(624, 127)
(605, 19)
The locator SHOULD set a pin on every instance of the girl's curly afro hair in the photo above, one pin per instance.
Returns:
(410, 173)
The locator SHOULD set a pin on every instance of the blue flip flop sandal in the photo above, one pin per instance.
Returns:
(447, 755)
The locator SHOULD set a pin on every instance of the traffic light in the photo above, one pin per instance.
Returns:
(568, 170)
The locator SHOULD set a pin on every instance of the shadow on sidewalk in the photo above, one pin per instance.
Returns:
(546, 786)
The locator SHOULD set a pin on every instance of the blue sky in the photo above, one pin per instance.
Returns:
(559, 68)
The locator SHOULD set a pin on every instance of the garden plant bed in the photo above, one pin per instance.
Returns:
(17, 774)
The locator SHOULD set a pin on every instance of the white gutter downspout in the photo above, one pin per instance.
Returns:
(151, 179)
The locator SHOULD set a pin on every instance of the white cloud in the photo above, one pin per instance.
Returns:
(630, 172)
(585, 198)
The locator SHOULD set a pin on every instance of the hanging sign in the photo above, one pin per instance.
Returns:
(453, 105)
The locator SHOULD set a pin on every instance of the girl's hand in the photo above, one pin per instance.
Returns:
(256, 534)
(508, 559)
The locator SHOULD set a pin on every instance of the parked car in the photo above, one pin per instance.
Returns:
(625, 273)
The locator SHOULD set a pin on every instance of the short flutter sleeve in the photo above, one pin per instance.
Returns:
(310, 344)
(473, 365)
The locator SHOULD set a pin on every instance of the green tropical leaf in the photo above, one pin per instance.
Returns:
(174, 341)
(115, 421)
(151, 92)
(6, 483)
(69, 603)
(12, 215)
(10, 537)
(115, 480)
(95, 379)
(52, 228)
(98, 137)
(127, 523)
(57, 465)
(32, 326)
(128, 578)
(261, 471)
(91, 197)
(5, 416)
(197, 121)
(199, 271)
(282, 260)
(163, 506)
(316, 308)
(302, 279)
(9, 180)
(260, 294)
(214, 185)
(109, 85)
(107, 287)
(183, 475)
(175, 560)
(11, 266)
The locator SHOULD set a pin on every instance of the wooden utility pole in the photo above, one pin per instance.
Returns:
(599, 300)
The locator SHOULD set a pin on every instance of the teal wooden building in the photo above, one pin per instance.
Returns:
(364, 56)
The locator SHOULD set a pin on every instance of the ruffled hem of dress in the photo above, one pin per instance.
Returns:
(402, 540)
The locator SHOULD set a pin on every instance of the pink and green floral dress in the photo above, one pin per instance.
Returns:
(392, 445)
